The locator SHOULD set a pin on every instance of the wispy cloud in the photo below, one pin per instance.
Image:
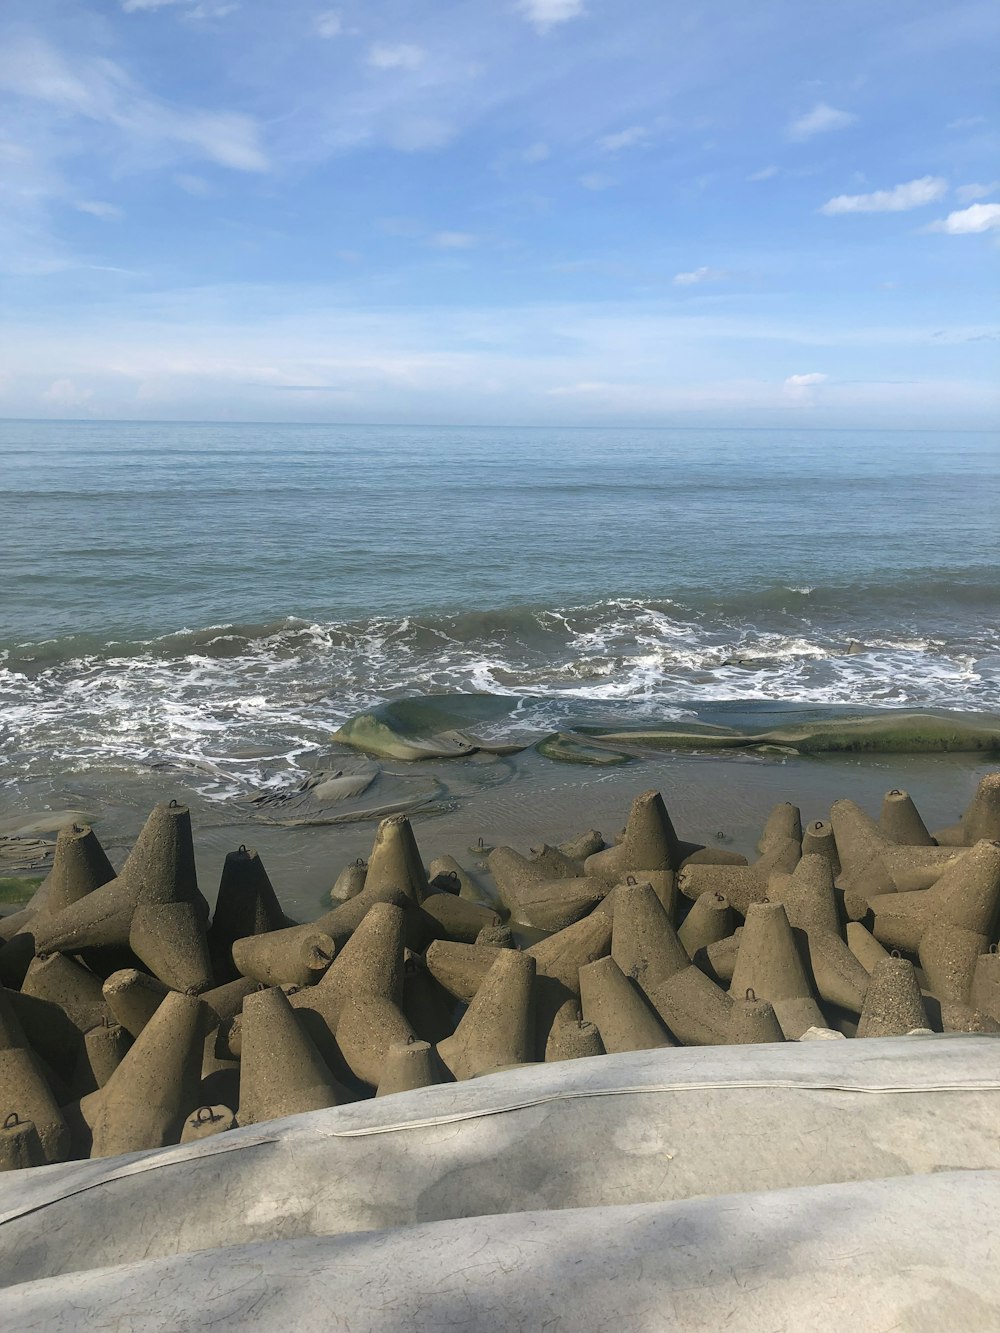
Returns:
(403, 55)
(99, 209)
(536, 152)
(966, 123)
(765, 173)
(547, 14)
(970, 221)
(329, 23)
(901, 198)
(967, 193)
(197, 9)
(629, 138)
(820, 120)
(703, 274)
(807, 381)
(454, 240)
(596, 180)
(99, 90)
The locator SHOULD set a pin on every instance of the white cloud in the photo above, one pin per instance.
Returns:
(97, 89)
(198, 9)
(808, 381)
(329, 23)
(820, 120)
(703, 274)
(966, 123)
(192, 184)
(966, 193)
(536, 152)
(400, 56)
(765, 173)
(546, 14)
(970, 221)
(614, 143)
(454, 240)
(99, 209)
(67, 393)
(912, 194)
(596, 180)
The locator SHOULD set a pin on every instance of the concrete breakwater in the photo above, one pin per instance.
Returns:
(132, 1016)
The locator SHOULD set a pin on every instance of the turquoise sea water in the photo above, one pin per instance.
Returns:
(234, 592)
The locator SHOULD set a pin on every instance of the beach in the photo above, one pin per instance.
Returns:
(521, 800)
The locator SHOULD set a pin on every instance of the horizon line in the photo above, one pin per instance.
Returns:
(479, 425)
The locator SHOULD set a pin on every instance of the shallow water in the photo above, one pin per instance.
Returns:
(219, 598)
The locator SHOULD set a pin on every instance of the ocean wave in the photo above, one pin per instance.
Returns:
(253, 705)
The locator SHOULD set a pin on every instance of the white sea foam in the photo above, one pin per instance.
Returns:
(241, 710)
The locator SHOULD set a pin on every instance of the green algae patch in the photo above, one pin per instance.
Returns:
(887, 731)
(17, 889)
(566, 748)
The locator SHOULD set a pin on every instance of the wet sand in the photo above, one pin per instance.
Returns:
(523, 800)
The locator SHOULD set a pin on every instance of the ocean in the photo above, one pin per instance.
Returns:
(221, 597)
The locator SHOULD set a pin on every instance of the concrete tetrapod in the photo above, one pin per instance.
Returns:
(949, 956)
(170, 939)
(20, 1145)
(893, 1005)
(768, 963)
(408, 1065)
(574, 1040)
(967, 896)
(617, 1008)
(709, 920)
(865, 947)
(25, 1094)
(553, 904)
(986, 985)
(395, 861)
(159, 869)
(341, 923)
(818, 840)
(281, 1071)
(72, 987)
(371, 962)
(498, 1028)
(694, 1009)
(144, 1103)
(811, 906)
(644, 943)
(743, 885)
(783, 827)
(369, 1026)
(247, 905)
(446, 875)
(457, 917)
(981, 819)
(104, 1048)
(500, 937)
(900, 820)
(753, 1021)
(133, 997)
(558, 960)
(206, 1122)
(79, 866)
(297, 956)
(650, 843)
(460, 968)
(349, 882)
(871, 864)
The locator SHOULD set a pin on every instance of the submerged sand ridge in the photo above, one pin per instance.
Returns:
(133, 1016)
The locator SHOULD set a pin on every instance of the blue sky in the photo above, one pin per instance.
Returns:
(501, 211)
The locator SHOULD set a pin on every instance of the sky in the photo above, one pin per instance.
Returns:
(646, 212)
